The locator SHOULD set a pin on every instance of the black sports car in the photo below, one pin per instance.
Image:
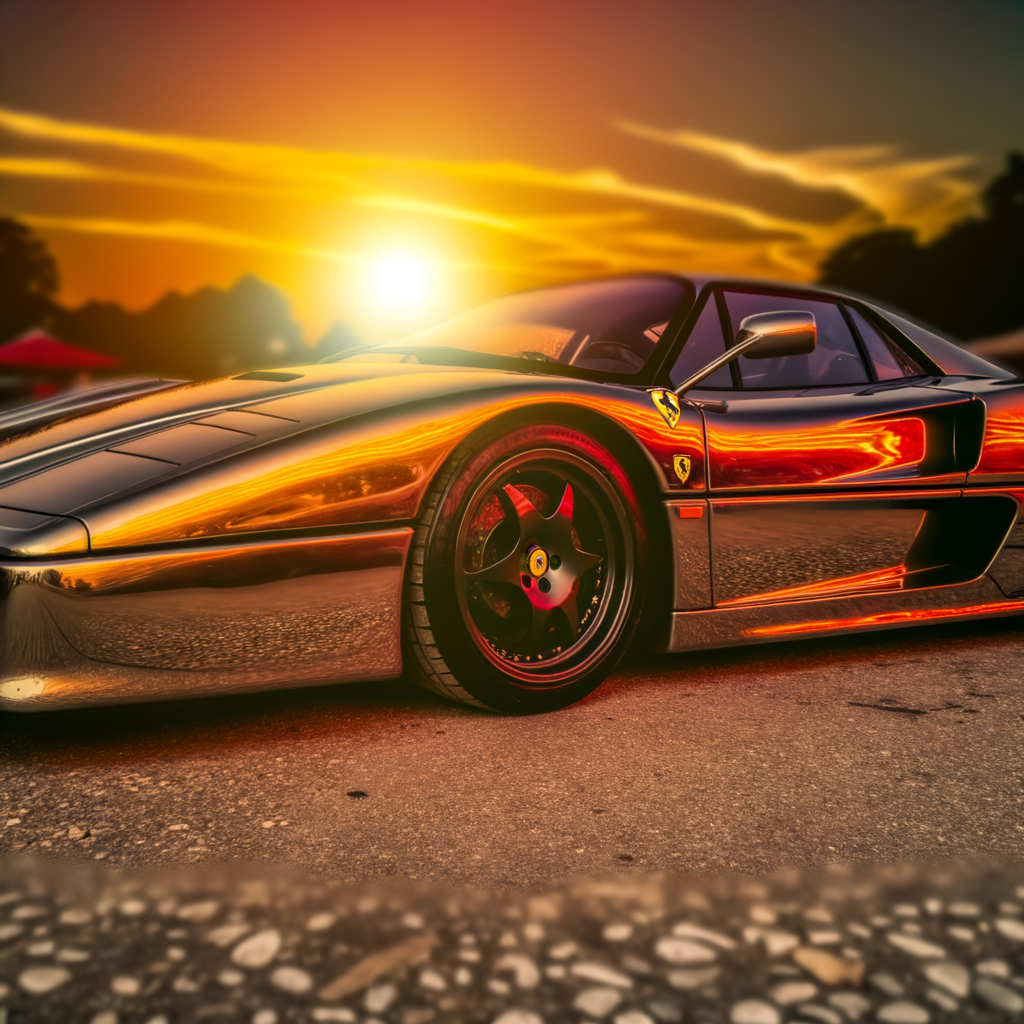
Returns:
(501, 505)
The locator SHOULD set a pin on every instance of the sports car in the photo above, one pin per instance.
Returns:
(503, 505)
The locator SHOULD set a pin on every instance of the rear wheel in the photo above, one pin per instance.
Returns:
(526, 571)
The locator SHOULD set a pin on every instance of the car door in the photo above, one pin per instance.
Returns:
(829, 473)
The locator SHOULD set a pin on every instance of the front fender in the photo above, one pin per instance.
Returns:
(372, 468)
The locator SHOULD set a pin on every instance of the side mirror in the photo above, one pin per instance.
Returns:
(764, 336)
(777, 334)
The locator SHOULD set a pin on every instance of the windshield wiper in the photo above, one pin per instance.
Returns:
(525, 353)
(442, 354)
(446, 355)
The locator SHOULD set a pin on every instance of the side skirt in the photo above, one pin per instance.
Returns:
(729, 627)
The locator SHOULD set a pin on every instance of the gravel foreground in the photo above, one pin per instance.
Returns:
(902, 947)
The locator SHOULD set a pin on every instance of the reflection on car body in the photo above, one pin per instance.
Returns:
(501, 505)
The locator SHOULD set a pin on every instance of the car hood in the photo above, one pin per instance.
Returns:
(262, 405)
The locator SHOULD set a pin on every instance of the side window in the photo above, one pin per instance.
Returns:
(889, 360)
(704, 343)
(835, 360)
(951, 359)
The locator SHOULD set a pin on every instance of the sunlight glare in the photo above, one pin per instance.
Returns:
(401, 281)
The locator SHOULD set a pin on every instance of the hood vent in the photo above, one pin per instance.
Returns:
(274, 375)
(188, 443)
(74, 485)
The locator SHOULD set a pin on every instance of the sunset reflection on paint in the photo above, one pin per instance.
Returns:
(890, 578)
(884, 619)
(224, 568)
(819, 454)
(362, 473)
(1004, 438)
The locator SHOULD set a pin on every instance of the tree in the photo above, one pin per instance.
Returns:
(212, 332)
(208, 333)
(968, 282)
(28, 279)
(338, 337)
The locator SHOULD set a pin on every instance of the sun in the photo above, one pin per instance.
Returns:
(401, 281)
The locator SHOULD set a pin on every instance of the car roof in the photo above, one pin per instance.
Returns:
(700, 281)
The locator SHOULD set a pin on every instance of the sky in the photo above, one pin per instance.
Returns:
(389, 163)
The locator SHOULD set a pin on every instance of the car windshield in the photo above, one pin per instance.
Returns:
(610, 326)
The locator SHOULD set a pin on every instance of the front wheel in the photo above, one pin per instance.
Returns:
(526, 571)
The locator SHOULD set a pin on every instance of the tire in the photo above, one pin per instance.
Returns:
(527, 570)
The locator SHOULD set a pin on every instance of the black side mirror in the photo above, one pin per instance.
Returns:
(764, 336)
(790, 333)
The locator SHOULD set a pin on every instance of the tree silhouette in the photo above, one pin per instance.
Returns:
(28, 279)
(968, 282)
(338, 337)
(209, 333)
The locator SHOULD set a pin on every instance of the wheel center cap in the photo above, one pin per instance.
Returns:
(537, 561)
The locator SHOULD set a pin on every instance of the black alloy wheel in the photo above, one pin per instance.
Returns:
(526, 571)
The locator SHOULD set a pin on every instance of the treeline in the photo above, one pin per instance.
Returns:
(208, 333)
(969, 282)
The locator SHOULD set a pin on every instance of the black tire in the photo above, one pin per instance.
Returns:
(527, 570)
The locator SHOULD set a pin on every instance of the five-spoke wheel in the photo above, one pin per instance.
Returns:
(526, 571)
(545, 564)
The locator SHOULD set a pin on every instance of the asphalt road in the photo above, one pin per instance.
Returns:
(896, 746)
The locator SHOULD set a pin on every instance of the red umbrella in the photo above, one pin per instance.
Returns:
(38, 351)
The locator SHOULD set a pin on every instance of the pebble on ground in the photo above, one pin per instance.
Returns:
(900, 949)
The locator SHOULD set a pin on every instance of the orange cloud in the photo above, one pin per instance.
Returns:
(181, 231)
(924, 195)
(501, 220)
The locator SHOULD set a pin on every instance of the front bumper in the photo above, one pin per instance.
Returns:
(201, 620)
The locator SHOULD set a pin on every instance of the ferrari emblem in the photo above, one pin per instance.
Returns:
(538, 562)
(681, 464)
(667, 404)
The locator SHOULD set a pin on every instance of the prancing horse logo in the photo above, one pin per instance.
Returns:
(538, 562)
(681, 464)
(667, 404)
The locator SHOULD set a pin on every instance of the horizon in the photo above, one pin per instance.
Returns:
(417, 176)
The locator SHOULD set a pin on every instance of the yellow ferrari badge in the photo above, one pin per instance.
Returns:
(681, 464)
(538, 562)
(667, 404)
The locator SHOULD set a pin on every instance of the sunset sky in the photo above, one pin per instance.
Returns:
(389, 163)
